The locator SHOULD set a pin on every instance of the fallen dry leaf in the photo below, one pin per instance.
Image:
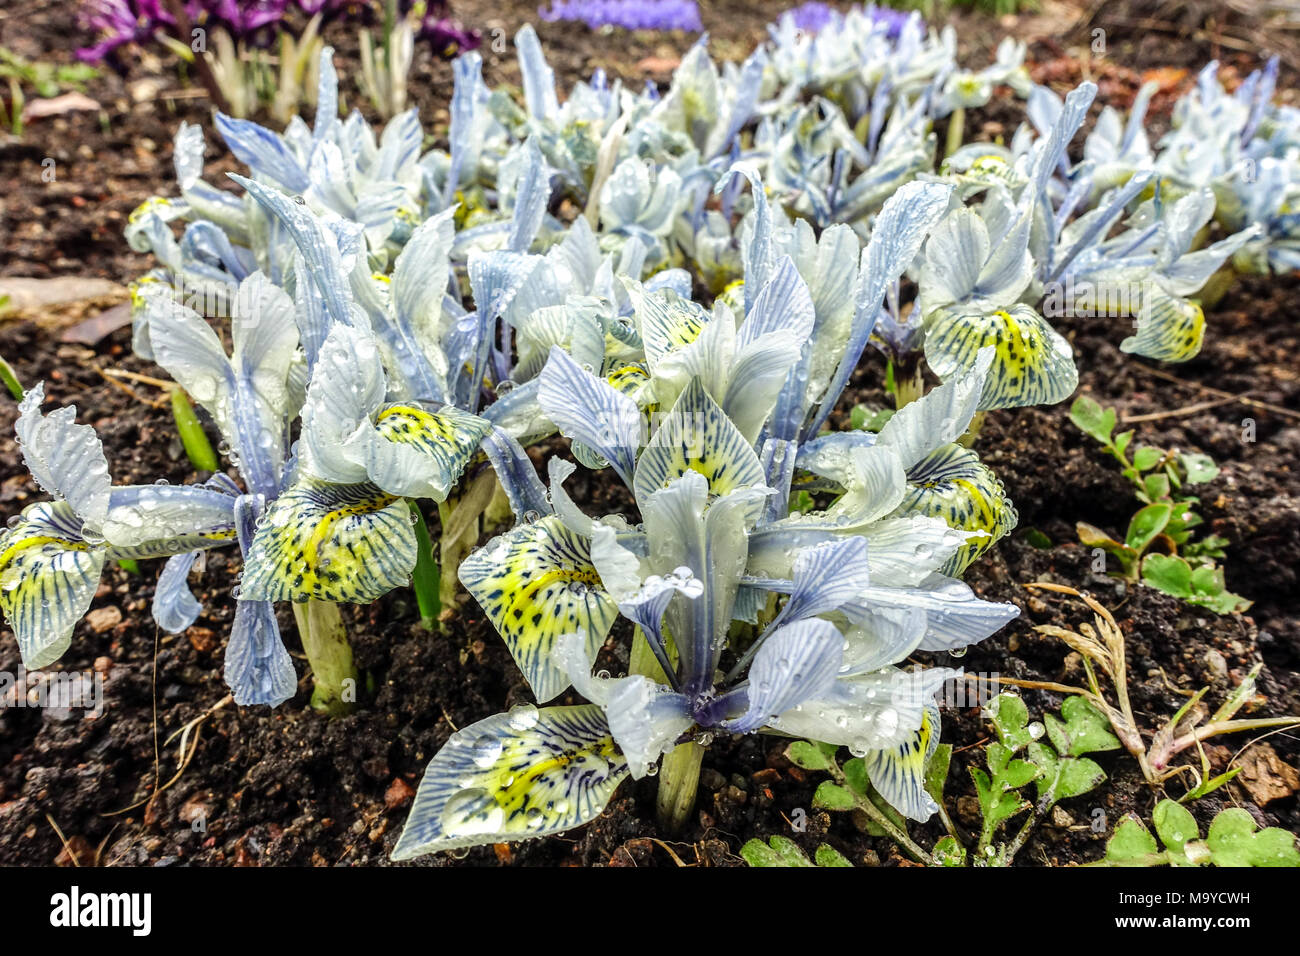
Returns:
(1264, 775)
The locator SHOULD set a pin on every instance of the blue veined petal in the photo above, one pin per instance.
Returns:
(784, 304)
(778, 458)
(675, 280)
(880, 638)
(830, 455)
(760, 254)
(264, 340)
(797, 662)
(514, 776)
(558, 471)
(645, 718)
(745, 99)
(66, 459)
(590, 410)
(684, 529)
(327, 96)
(1049, 152)
(342, 397)
(538, 77)
(318, 246)
(534, 583)
(262, 151)
(826, 576)
(939, 417)
(516, 473)
(954, 256)
(174, 606)
(206, 242)
(576, 326)
(955, 617)
(532, 195)
(908, 215)
(258, 669)
(420, 275)
(466, 101)
(155, 520)
(519, 414)
(399, 146)
(48, 577)
(867, 712)
(902, 551)
(343, 543)
(875, 485)
(898, 773)
(668, 321)
(697, 436)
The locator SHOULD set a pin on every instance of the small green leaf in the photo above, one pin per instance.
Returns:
(1175, 826)
(807, 755)
(1122, 440)
(948, 852)
(778, 851)
(1156, 486)
(855, 775)
(1168, 573)
(1146, 458)
(1011, 720)
(1199, 468)
(10, 379)
(1146, 524)
(1232, 841)
(1037, 539)
(936, 771)
(827, 855)
(1132, 845)
(1085, 729)
(831, 796)
(1078, 776)
(1019, 773)
(1092, 419)
(426, 577)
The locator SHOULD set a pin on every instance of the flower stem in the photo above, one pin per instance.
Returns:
(956, 130)
(679, 778)
(325, 640)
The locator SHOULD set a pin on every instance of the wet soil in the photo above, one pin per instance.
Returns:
(258, 787)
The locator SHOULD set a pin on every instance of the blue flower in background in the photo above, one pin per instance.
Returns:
(627, 14)
(814, 16)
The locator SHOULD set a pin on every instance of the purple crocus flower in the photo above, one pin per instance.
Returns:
(627, 14)
(814, 16)
(117, 22)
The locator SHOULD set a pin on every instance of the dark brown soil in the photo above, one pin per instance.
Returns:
(292, 787)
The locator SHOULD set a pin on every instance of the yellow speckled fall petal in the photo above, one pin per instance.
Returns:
(899, 773)
(432, 449)
(515, 776)
(1032, 363)
(48, 577)
(535, 583)
(952, 484)
(1169, 329)
(342, 543)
